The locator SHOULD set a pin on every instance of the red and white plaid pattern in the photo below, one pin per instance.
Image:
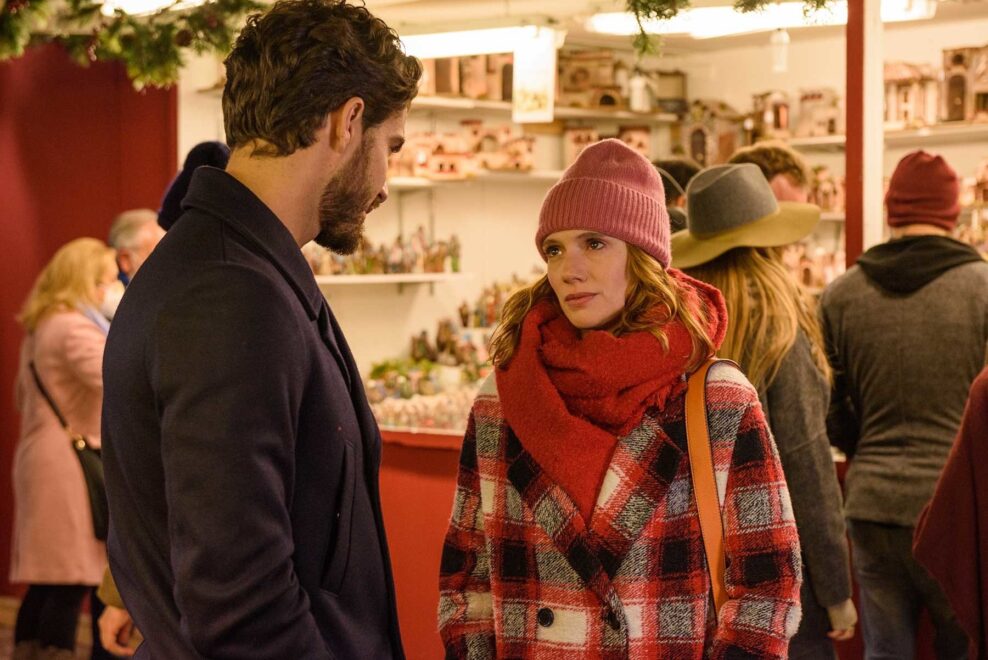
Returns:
(523, 576)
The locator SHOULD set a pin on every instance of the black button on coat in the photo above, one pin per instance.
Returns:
(545, 617)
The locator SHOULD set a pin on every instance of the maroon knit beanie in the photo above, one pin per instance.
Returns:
(614, 190)
(924, 189)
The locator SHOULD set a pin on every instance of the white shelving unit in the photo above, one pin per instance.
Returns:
(456, 104)
(407, 183)
(824, 143)
(938, 134)
(913, 137)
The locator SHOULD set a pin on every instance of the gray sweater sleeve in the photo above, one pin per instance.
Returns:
(797, 401)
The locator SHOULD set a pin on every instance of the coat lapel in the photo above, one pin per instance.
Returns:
(558, 516)
(637, 481)
(643, 466)
(329, 331)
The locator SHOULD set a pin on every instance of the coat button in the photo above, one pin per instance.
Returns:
(611, 618)
(546, 617)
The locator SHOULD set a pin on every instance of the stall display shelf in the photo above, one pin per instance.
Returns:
(391, 278)
(939, 134)
(838, 216)
(823, 143)
(913, 137)
(405, 183)
(427, 103)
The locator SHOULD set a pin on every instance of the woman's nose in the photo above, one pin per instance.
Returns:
(573, 268)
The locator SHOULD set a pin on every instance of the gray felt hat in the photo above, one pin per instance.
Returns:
(731, 206)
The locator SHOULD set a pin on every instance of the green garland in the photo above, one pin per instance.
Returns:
(151, 47)
(663, 10)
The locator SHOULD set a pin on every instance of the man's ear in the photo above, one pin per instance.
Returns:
(346, 124)
(124, 262)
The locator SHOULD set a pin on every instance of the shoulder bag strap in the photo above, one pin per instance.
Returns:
(704, 484)
(78, 440)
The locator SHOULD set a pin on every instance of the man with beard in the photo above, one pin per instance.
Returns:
(241, 456)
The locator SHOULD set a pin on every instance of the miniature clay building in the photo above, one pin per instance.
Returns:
(965, 84)
(912, 95)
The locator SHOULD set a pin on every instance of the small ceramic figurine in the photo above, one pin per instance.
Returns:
(422, 349)
(453, 248)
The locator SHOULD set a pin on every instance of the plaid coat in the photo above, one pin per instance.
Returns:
(522, 577)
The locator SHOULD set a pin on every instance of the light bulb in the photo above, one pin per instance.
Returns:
(779, 42)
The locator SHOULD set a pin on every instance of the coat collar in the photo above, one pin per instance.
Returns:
(219, 194)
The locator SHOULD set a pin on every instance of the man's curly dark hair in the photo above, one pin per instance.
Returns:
(294, 64)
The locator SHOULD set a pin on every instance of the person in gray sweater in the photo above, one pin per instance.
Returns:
(734, 240)
(906, 331)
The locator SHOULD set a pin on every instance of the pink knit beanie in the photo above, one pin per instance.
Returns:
(614, 190)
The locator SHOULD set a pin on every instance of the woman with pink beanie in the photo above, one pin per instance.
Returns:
(575, 531)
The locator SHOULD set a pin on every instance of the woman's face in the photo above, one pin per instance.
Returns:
(588, 273)
(108, 279)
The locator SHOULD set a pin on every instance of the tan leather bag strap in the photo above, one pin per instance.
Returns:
(704, 484)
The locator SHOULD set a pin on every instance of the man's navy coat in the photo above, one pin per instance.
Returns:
(241, 456)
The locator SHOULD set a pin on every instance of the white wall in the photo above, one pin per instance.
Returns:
(200, 116)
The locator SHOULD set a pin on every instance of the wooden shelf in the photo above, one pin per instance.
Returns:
(455, 104)
(831, 216)
(615, 115)
(391, 278)
(532, 176)
(913, 137)
(824, 143)
(411, 183)
(939, 134)
(407, 183)
(459, 103)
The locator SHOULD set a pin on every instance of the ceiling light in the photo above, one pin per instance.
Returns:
(779, 42)
(710, 22)
(468, 42)
(145, 7)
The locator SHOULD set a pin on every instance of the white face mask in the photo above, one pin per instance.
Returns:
(111, 300)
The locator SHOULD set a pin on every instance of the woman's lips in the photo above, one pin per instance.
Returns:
(579, 299)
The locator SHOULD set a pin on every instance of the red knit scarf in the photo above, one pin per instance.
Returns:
(569, 398)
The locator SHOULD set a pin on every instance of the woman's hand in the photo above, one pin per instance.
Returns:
(843, 618)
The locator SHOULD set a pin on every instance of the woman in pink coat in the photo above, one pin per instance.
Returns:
(55, 550)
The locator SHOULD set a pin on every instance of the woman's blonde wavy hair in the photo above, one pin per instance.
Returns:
(68, 281)
(653, 299)
(766, 307)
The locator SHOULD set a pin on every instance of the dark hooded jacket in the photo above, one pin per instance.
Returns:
(906, 332)
(908, 264)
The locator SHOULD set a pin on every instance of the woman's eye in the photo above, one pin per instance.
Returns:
(552, 251)
(595, 244)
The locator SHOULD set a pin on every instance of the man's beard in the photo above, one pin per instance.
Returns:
(344, 203)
